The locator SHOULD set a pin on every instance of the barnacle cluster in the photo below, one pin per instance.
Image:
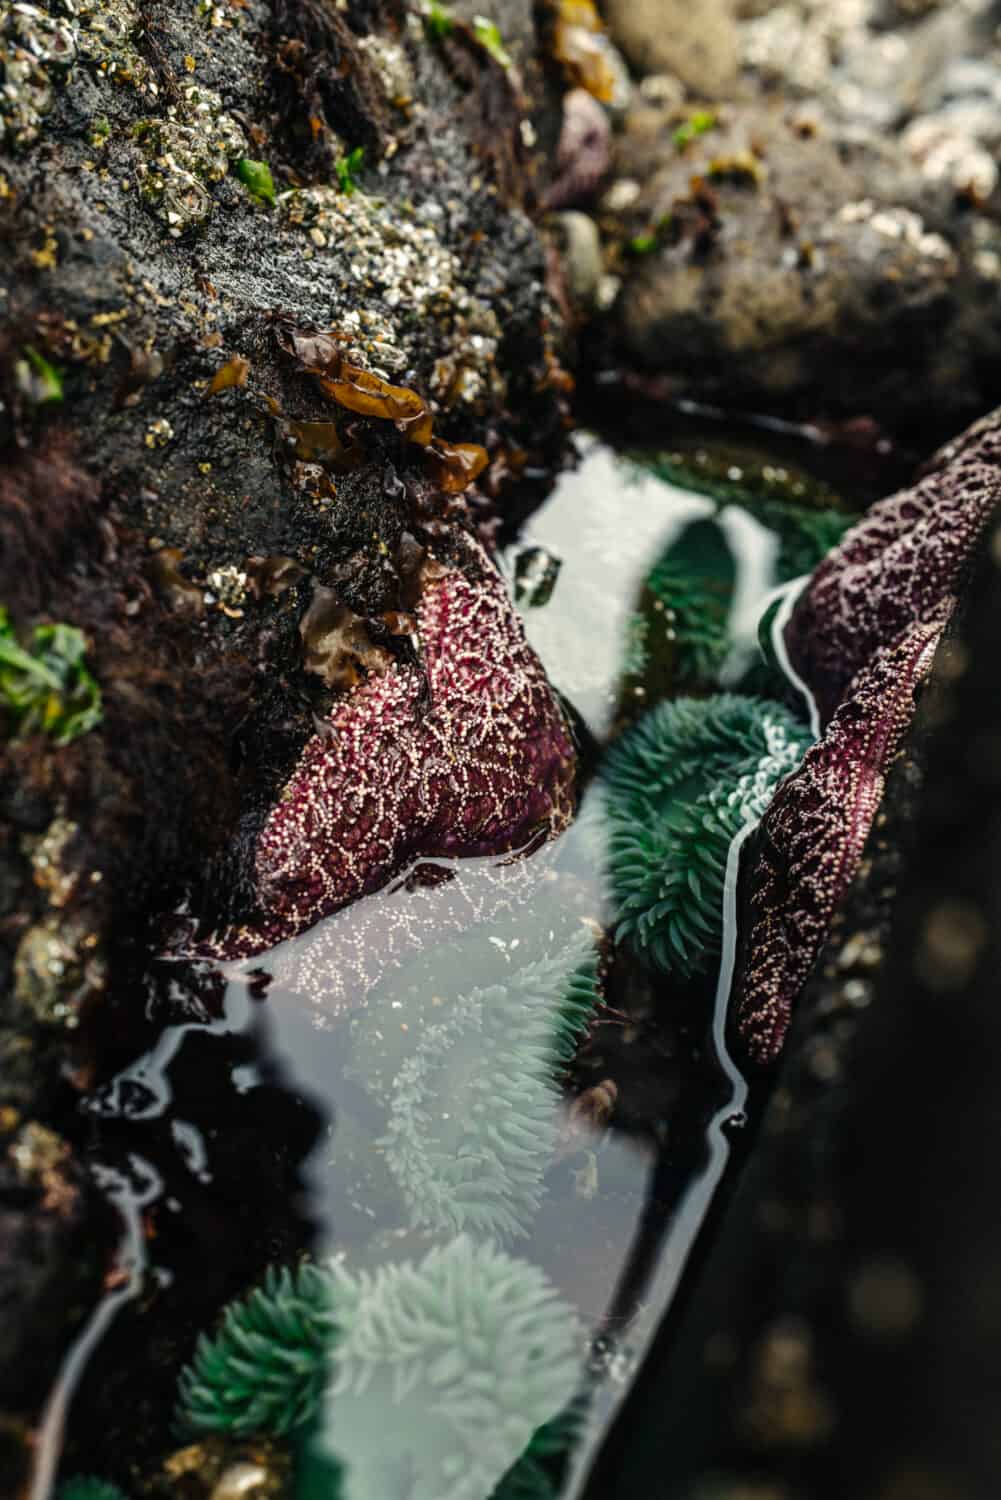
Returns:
(678, 787)
(183, 154)
(400, 260)
(37, 52)
(473, 1111)
(266, 1367)
(444, 1370)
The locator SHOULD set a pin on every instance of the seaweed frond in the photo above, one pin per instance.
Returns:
(46, 688)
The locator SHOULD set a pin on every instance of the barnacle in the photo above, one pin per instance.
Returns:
(446, 1370)
(679, 787)
(86, 1487)
(265, 1369)
(473, 1112)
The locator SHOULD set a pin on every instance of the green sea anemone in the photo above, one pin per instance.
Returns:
(265, 1369)
(445, 1371)
(678, 788)
(801, 511)
(474, 1110)
(530, 1478)
(692, 583)
(86, 1487)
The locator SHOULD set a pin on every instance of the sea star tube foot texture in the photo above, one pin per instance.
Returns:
(895, 566)
(466, 754)
(862, 636)
(812, 836)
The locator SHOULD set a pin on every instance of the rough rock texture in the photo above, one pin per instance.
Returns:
(842, 1337)
(180, 196)
(768, 259)
(697, 43)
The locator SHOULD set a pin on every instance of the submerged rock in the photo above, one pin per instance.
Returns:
(696, 43)
(772, 258)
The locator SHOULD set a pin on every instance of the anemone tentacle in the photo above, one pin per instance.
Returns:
(265, 1369)
(473, 1112)
(679, 786)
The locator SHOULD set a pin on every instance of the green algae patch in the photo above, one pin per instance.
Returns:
(256, 178)
(488, 35)
(47, 688)
(438, 21)
(697, 124)
(40, 381)
(347, 168)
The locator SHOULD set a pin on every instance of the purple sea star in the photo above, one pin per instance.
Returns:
(862, 637)
(812, 836)
(895, 566)
(466, 754)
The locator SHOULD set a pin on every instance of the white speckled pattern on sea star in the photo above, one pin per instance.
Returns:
(894, 567)
(467, 754)
(862, 636)
(813, 834)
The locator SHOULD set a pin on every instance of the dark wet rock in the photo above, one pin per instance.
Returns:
(841, 1335)
(182, 195)
(769, 261)
(697, 43)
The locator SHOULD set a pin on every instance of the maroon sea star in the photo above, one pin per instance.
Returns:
(812, 836)
(895, 566)
(862, 636)
(466, 754)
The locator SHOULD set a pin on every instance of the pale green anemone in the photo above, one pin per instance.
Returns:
(474, 1112)
(445, 1371)
(265, 1369)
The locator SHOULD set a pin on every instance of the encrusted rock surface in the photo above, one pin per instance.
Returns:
(182, 187)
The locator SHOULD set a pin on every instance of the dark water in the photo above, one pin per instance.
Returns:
(268, 1121)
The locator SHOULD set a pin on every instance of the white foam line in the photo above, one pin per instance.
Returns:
(150, 1070)
(130, 1200)
(790, 593)
(694, 1206)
